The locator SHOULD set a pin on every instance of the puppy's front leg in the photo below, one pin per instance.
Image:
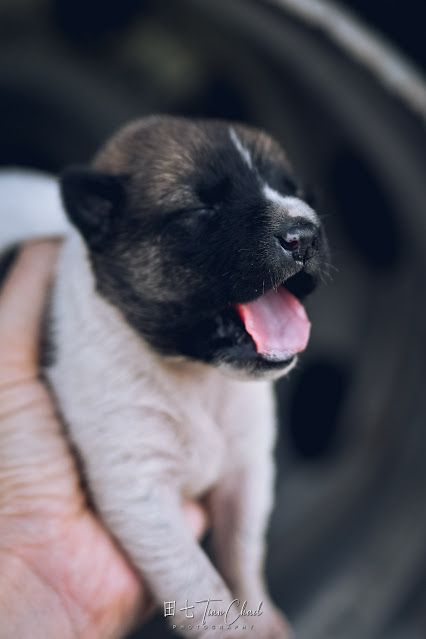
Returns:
(150, 526)
(240, 507)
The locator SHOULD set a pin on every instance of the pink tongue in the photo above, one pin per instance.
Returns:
(277, 323)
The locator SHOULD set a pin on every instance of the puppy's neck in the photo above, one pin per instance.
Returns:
(82, 318)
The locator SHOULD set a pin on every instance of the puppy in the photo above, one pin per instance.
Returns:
(176, 301)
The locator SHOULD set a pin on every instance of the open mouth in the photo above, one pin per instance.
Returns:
(277, 322)
(262, 335)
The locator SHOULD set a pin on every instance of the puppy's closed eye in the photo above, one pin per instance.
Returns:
(214, 193)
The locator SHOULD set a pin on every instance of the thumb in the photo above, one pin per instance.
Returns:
(22, 301)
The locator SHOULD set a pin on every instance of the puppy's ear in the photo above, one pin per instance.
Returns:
(91, 200)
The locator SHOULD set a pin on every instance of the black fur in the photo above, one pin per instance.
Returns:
(91, 200)
(7, 260)
(180, 232)
(47, 356)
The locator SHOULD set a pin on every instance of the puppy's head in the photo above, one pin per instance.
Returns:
(197, 232)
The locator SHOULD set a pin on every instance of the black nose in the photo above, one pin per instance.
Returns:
(301, 240)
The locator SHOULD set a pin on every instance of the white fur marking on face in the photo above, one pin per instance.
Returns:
(294, 207)
(245, 153)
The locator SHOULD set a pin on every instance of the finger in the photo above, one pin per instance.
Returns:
(22, 301)
(196, 518)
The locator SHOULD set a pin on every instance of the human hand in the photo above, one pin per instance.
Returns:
(61, 574)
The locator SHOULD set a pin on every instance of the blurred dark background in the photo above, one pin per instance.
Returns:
(347, 553)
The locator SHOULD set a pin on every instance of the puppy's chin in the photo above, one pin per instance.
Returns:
(254, 371)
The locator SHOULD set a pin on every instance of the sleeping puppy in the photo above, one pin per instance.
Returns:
(177, 299)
